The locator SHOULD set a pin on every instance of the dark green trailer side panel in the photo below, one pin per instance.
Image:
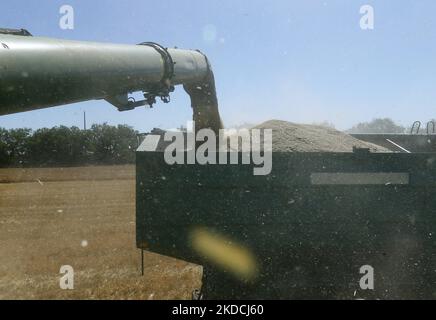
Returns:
(310, 236)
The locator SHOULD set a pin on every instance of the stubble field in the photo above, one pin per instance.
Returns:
(85, 218)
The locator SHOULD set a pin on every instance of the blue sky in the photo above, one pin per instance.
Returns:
(301, 61)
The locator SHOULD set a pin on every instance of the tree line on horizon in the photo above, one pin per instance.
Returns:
(64, 146)
(379, 125)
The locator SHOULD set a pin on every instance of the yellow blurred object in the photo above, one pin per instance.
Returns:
(223, 252)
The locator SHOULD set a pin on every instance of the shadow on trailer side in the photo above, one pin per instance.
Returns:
(302, 232)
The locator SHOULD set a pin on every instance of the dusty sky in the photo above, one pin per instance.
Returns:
(301, 61)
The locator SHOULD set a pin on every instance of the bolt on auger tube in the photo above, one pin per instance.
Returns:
(38, 73)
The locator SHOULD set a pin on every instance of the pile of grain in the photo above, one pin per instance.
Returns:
(291, 137)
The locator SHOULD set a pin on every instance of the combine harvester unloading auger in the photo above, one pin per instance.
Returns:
(38, 73)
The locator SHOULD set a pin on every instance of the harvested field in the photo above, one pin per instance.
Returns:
(83, 217)
(126, 172)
